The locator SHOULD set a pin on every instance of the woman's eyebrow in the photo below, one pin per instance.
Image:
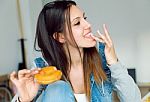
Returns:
(83, 14)
(78, 17)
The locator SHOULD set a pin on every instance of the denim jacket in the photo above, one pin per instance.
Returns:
(103, 92)
(118, 80)
(103, 59)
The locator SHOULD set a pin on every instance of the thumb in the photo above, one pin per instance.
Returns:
(14, 78)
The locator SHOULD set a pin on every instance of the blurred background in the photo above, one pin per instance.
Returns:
(127, 20)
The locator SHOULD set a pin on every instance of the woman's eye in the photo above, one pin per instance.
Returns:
(85, 18)
(78, 23)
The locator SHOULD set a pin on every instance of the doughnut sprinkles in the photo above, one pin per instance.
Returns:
(48, 75)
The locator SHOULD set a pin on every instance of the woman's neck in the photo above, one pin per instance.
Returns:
(76, 56)
(76, 76)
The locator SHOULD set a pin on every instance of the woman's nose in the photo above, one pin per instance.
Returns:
(87, 25)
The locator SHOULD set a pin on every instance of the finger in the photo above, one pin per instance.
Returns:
(35, 71)
(13, 77)
(103, 38)
(22, 73)
(97, 38)
(106, 33)
(31, 78)
(100, 35)
(32, 72)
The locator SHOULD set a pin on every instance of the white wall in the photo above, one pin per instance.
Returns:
(118, 16)
(128, 23)
(143, 56)
(129, 26)
(10, 48)
(30, 10)
(142, 28)
(9, 35)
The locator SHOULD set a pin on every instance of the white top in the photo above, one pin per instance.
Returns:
(80, 97)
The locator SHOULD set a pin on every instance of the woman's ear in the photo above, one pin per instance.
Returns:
(59, 37)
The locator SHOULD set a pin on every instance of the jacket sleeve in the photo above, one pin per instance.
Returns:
(15, 98)
(104, 63)
(124, 85)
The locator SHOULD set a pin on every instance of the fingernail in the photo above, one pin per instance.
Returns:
(36, 71)
(92, 35)
(28, 71)
(104, 25)
(39, 68)
(14, 72)
(98, 32)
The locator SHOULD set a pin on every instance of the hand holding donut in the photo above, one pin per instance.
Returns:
(105, 38)
(27, 81)
(26, 86)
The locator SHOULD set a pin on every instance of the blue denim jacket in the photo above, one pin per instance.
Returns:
(99, 93)
(102, 92)
(103, 59)
(118, 79)
(61, 91)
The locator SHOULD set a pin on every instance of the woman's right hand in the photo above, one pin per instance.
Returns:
(27, 88)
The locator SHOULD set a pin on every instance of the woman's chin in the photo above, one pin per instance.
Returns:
(91, 44)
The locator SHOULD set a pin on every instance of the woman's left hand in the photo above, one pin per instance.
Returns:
(105, 38)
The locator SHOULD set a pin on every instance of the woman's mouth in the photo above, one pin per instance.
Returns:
(89, 35)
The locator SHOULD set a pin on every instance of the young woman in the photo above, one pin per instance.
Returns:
(66, 41)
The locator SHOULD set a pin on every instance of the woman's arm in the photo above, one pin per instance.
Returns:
(123, 83)
(126, 88)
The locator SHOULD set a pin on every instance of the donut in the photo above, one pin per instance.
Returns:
(48, 75)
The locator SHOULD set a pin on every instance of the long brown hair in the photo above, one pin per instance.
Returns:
(53, 19)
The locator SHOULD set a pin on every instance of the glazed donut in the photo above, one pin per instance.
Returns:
(48, 75)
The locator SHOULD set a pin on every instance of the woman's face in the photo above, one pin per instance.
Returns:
(81, 29)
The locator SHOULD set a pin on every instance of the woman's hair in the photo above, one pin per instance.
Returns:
(55, 19)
